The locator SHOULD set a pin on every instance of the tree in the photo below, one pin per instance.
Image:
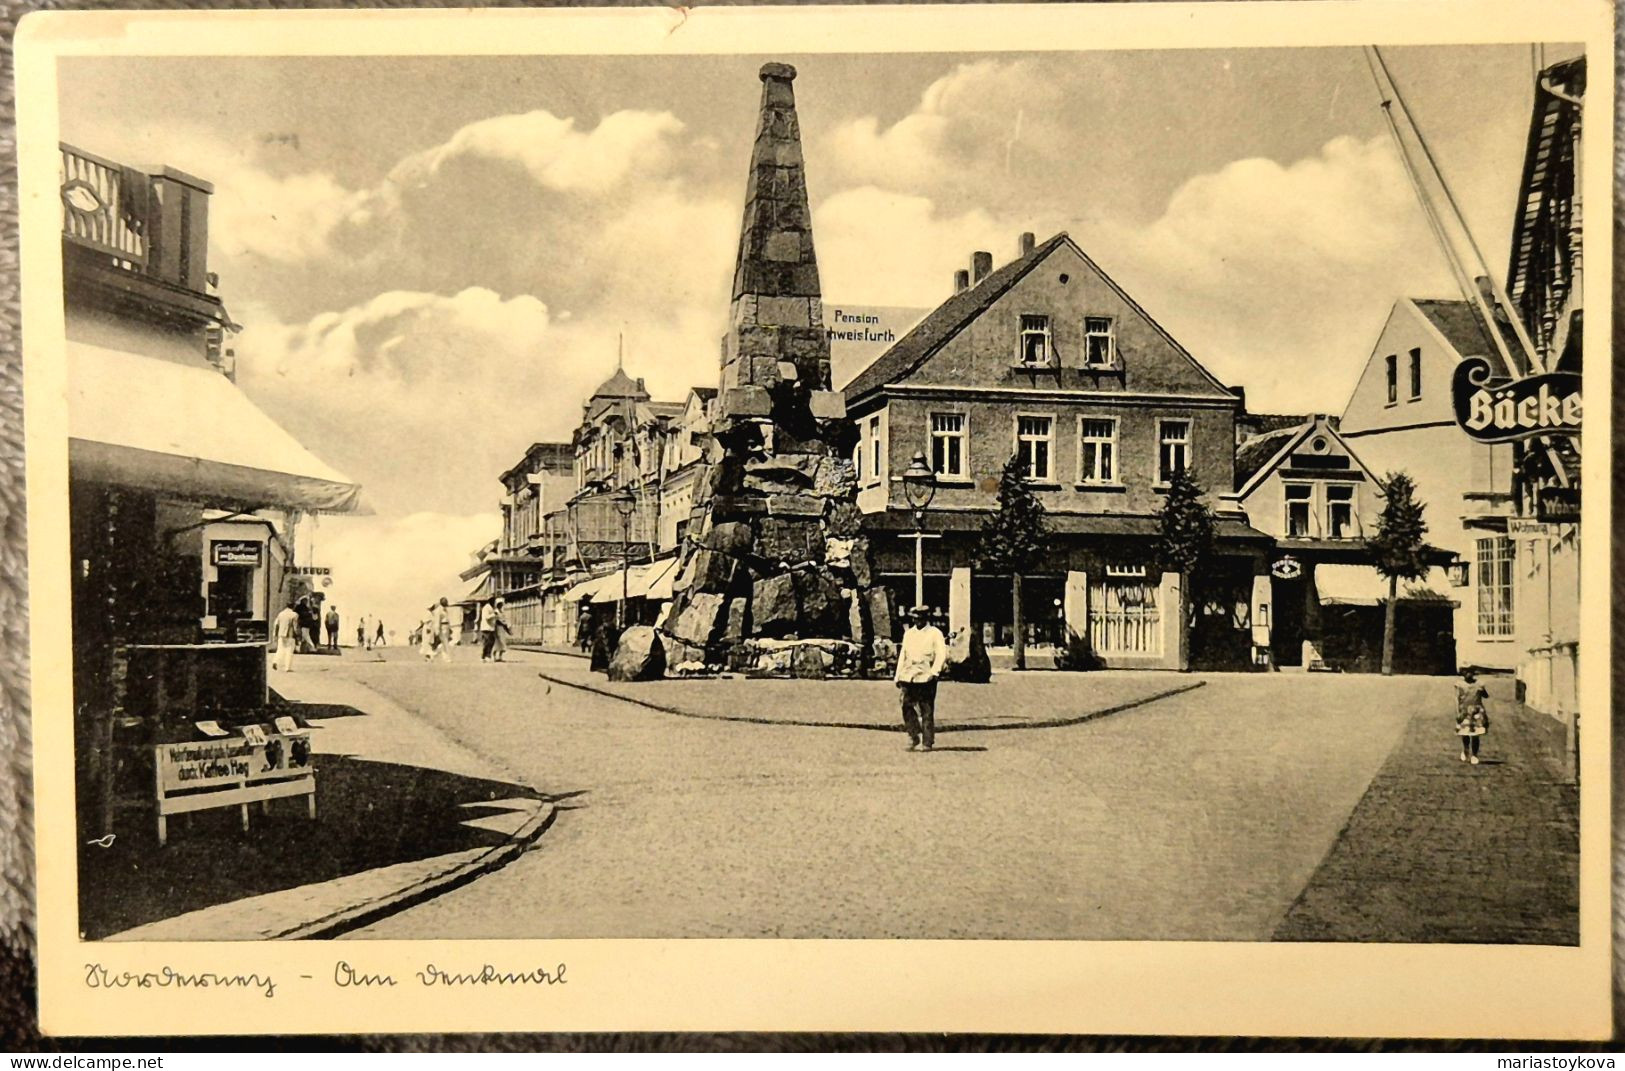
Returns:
(1184, 544)
(1397, 549)
(1014, 539)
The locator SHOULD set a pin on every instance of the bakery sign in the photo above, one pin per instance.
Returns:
(1500, 410)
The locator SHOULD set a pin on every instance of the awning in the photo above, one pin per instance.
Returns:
(610, 587)
(186, 430)
(1350, 585)
(645, 580)
(479, 591)
(1362, 585)
(585, 589)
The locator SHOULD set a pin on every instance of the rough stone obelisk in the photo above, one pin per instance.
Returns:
(776, 575)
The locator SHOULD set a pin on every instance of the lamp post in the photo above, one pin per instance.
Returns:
(626, 504)
(919, 487)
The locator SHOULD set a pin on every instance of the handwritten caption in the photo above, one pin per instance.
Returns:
(344, 976)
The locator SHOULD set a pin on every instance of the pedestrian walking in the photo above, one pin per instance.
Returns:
(1472, 721)
(488, 630)
(379, 640)
(361, 632)
(429, 635)
(285, 630)
(443, 628)
(306, 626)
(332, 623)
(920, 659)
(499, 650)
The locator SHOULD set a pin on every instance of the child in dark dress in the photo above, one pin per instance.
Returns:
(1472, 721)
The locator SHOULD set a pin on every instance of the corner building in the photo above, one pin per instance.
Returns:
(1048, 359)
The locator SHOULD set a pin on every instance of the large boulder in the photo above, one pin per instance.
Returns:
(835, 477)
(881, 614)
(711, 571)
(773, 610)
(792, 540)
(730, 537)
(639, 656)
(736, 627)
(810, 662)
(696, 622)
(967, 658)
(860, 564)
(822, 606)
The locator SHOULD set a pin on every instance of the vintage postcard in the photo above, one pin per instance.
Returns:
(969, 518)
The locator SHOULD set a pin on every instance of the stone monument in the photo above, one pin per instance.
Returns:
(775, 574)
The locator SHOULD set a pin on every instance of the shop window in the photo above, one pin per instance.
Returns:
(1174, 455)
(1124, 616)
(1035, 343)
(1097, 450)
(1494, 576)
(1298, 496)
(948, 444)
(1034, 439)
(1099, 341)
(1340, 512)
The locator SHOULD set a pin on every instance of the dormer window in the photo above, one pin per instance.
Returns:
(1035, 346)
(1099, 342)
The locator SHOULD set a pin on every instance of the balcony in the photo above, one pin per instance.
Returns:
(134, 240)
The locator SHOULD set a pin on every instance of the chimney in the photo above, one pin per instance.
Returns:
(981, 266)
(961, 281)
(1027, 242)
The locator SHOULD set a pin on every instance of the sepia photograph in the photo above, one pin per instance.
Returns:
(1068, 495)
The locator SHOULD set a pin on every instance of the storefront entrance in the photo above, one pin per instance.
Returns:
(1043, 616)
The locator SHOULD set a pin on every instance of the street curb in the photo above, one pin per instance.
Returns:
(352, 918)
(1053, 723)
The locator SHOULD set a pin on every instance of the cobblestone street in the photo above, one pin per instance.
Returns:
(1200, 815)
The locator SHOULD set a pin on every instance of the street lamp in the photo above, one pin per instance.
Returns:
(626, 503)
(919, 487)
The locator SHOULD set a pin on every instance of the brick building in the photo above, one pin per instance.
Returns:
(1049, 359)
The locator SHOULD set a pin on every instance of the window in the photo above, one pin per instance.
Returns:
(1033, 441)
(1174, 455)
(1393, 379)
(1035, 340)
(1298, 496)
(1340, 511)
(1097, 450)
(1416, 374)
(1495, 586)
(874, 447)
(1099, 341)
(948, 444)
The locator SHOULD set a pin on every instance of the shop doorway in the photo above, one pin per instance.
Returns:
(1289, 629)
(231, 594)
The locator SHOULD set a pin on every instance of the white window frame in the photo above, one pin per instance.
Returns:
(963, 435)
(1353, 530)
(1049, 454)
(1166, 478)
(1048, 356)
(1091, 475)
(1493, 555)
(874, 431)
(1308, 503)
(1110, 334)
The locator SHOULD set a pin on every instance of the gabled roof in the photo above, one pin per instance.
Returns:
(1461, 325)
(1255, 453)
(705, 394)
(945, 322)
(1265, 453)
(960, 310)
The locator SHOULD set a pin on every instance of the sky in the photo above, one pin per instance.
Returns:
(434, 258)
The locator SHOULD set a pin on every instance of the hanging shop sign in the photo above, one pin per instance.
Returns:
(310, 570)
(1501, 410)
(1558, 505)
(1287, 569)
(236, 552)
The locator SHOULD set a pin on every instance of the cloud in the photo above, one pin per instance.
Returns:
(881, 247)
(557, 156)
(1279, 276)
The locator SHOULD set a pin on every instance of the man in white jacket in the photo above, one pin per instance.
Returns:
(920, 659)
